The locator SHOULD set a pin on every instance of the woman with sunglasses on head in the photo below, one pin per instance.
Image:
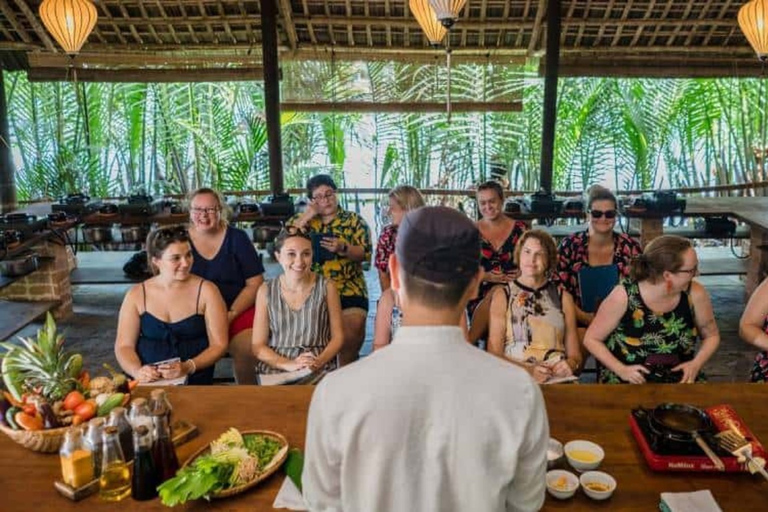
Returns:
(225, 256)
(342, 242)
(532, 319)
(647, 329)
(298, 314)
(498, 238)
(598, 245)
(173, 315)
(402, 199)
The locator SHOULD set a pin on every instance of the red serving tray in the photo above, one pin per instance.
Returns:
(723, 417)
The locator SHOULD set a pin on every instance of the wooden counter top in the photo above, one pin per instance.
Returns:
(595, 412)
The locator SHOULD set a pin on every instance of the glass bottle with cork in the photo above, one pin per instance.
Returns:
(94, 441)
(163, 452)
(118, 419)
(139, 414)
(115, 479)
(145, 477)
(159, 404)
(76, 459)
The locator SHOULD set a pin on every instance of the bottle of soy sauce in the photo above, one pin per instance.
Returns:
(118, 419)
(163, 452)
(145, 478)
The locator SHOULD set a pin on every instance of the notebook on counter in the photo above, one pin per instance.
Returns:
(595, 284)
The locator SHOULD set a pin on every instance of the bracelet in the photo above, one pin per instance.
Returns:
(194, 366)
(344, 249)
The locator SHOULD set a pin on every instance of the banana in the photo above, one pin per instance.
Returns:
(74, 366)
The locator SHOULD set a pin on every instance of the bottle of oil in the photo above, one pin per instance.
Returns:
(145, 479)
(115, 479)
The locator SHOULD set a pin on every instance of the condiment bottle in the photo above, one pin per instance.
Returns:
(140, 415)
(163, 451)
(159, 404)
(94, 440)
(145, 478)
(115, 479)
(117, 418)
(76, 459)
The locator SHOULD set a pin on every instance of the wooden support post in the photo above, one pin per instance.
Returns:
(7, 174)
(272, 93)
(550, 95)
(650, 228)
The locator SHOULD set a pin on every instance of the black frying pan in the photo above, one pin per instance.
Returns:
(681, 422)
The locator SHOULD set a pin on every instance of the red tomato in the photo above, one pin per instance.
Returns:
(73, 400)
(86, 410)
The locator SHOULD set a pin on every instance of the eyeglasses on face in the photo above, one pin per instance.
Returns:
(207, 211)
(324, 197)
(598, 214)
(692, 271)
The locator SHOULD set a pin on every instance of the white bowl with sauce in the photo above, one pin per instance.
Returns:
(584, 455)
(562, 484)
(554, 453)
(598, 485)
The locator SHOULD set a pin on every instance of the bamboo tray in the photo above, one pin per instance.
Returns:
(274, 464)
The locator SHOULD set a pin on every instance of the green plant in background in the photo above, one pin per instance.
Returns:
(109, 139)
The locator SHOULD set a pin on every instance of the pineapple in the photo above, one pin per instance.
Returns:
(40, 366)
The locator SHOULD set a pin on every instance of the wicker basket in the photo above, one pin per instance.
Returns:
(274, 465)
(43, 441)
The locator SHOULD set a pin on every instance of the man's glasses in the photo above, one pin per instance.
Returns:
(324, 197)
(598, 214)
(207, 211)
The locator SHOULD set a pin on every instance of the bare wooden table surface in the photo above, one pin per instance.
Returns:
(596, 412)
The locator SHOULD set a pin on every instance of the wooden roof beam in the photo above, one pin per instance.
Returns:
(141, 60)
(537, 24)
(36, 25)
(14, 21)
(401, 107)
(144, 75)
(286, 14)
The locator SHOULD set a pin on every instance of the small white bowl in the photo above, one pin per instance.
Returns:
(594, 455)
(597, 477)
(554, 452)
(562, 484)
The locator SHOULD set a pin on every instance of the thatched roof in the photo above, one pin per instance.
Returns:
(603, 37)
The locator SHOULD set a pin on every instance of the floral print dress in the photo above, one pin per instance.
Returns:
(642, 333)
(574, 255)
(501, 261)
(760, 367)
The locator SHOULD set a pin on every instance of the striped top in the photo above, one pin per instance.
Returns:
(295, 331)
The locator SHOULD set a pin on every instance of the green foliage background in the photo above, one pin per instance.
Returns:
(107, 139)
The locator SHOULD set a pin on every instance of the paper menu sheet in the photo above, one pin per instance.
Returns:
(178, 381)
(277, 379)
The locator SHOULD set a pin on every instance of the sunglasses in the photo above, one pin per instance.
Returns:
(294, 231)
(598, 214)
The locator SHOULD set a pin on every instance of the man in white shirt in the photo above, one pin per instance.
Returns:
(429, 423)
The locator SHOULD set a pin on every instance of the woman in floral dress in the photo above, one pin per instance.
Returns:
(498, 238)
(753, 328)
(647, 328)
(598, 245)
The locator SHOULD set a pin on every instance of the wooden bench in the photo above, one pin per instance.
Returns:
(14, 316)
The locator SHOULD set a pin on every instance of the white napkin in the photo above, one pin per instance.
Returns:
(289, 497)
(699, 501)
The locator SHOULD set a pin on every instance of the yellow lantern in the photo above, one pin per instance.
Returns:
(70, 22)
(447, 11)
(425, 15)
(753, 20)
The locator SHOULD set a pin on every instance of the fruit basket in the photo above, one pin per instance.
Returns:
(43, 441)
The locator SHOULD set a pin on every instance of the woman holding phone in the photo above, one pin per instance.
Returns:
(175, 323)
(345, 240)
